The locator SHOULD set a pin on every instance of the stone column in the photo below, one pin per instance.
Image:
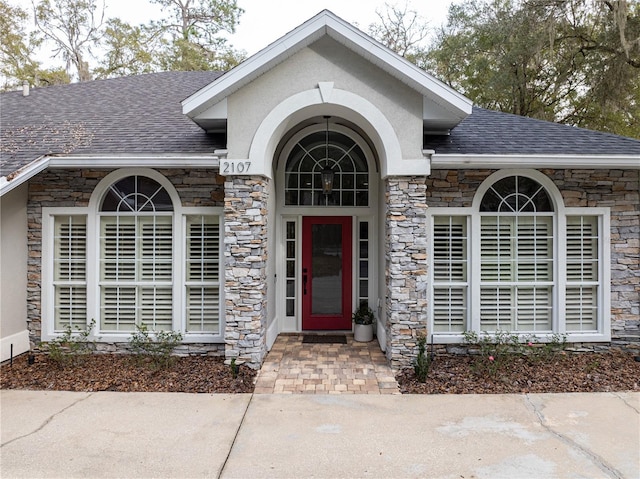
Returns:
(406, 267)
(245, 283)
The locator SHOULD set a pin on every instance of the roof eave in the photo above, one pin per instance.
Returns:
(591, 162)
(187, 160)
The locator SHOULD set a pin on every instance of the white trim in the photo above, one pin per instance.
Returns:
(474, 161)
(346, 105)
(20, 342)
(326, 23)
(47, 312)
(101, 161)
(544, 180)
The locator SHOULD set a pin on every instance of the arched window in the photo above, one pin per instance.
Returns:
(539, 268)
(516, 256)
(136, 255)
(317, 152)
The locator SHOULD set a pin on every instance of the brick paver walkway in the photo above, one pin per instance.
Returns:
(352, 368)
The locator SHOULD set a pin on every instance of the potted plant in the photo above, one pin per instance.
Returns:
(363, 319)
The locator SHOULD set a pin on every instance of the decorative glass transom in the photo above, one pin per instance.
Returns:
(136, 193)
(516, 194)
(312, 155)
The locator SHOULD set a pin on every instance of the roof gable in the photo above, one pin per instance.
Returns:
(452, 107)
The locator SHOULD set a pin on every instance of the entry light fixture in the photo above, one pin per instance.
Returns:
(327, 173)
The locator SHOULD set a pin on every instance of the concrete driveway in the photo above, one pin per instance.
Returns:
(105, 434)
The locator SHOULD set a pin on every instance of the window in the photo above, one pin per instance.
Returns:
(203, 273)
(317, 152)
(538, 269)
(450, 273)
(70, 271)
(134, 257)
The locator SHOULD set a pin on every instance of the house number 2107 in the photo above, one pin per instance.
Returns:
(235, 167)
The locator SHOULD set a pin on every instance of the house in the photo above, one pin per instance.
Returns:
(323, 172)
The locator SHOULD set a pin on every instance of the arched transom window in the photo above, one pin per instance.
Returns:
(321, 151)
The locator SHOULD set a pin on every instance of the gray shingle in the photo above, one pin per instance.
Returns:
(495, 133)
(130, 115)
(143, 115)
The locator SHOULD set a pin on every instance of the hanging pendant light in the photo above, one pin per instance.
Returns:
(327, 173)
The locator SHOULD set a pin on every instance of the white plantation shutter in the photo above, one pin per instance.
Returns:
(496, 308)
(69, 271)
(516, 272)
(496, 245)
(156, 245)
(203, 273)
(450, 273)
(581, 295)
(136, 271)
(118, 307)
(534, 248)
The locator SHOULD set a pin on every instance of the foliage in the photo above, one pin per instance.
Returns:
(495, 350)
(402, 30)
(72, 345)
(74, 26)
(571, 61)
(130, 50)
(157, 345)
(17, 52)
(191, 33)
(423, 361)
(363, 315)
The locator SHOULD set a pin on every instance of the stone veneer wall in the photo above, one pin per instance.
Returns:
(616, 189)
(406, 267)
(245, 250)
(73, 188)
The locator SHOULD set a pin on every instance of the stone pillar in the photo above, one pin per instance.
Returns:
(245, 283)
(406, 267)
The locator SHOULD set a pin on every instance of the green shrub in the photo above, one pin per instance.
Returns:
(422, 362)
(157, 345)
(496, 349)
(69, 348)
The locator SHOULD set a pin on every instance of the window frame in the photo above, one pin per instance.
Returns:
(93, 219)
(559, 278)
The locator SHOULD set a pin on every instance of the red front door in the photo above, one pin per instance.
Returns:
(326, 272)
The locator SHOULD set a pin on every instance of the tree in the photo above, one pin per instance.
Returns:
(193, 32)
(403, 31)
(17, 52)
(572, 61)
(130, 50)
(74, 26)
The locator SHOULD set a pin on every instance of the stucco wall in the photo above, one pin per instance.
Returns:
(324, 61)
(616, 189)
(13, 272)
(73, 188)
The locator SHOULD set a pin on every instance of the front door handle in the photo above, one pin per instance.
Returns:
(304, 284)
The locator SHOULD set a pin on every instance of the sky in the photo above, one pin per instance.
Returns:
(264, 21)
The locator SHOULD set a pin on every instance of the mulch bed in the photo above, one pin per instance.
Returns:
(113, 372)
(449, 374)
(562, 373)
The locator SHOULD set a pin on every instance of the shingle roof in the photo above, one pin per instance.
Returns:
(143, 115)
(490, 132)
(130, 115)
